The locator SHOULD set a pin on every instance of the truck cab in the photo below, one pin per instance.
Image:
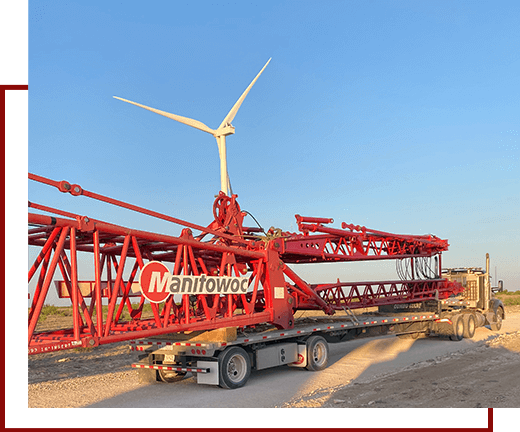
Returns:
(478, 292)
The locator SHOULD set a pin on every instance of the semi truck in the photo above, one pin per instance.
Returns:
(227, 356)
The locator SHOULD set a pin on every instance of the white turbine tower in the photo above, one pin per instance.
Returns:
(220, 133)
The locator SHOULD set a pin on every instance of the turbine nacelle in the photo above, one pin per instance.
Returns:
(220, 133)
(224, 131)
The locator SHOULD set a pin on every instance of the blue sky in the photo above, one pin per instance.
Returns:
(401, 116)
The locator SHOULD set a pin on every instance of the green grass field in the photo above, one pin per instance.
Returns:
(509, 298)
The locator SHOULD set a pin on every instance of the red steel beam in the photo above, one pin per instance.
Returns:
(146, 235)
(76, 190)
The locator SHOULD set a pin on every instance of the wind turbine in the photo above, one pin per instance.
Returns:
(220, 133)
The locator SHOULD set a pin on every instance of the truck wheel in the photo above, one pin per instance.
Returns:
(170, 376)
(469, 325)
(408, 336)
(457, 328)
(234, 368)
(317, 353)
(497, 325)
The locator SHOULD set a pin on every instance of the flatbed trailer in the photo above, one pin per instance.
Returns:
(227, 358)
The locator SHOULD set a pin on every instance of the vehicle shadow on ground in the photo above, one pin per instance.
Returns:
(264, 389)
(353, 365)
(465, 374)
(267, 388)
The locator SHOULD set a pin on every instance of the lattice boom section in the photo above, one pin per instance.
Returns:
(343, 245)
(355, 295)
(116, 255)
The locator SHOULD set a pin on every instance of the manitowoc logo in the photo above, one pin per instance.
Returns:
(157, 283)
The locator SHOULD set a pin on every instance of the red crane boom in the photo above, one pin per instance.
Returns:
(224, 248)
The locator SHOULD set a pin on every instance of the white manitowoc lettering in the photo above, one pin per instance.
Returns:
(156, 283)
(208, 285)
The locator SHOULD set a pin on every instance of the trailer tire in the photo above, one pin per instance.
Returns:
(408, 335)
(457, 328)
(469, 325)
(234, 367)
(317, 353)
(170, 376)
(497, 325)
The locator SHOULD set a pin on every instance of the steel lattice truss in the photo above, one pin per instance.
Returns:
(223, 248)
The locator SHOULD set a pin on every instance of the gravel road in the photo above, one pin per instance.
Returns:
(375, 372)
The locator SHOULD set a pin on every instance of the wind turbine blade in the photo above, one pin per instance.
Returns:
(231, 115)
(229, 185)
(187, 121)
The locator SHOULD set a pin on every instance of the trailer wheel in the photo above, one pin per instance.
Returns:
(317, 353)
(497, 325)
(234, 368)
(408, 335)
(457, 328)
(469, 325)
(170, 376)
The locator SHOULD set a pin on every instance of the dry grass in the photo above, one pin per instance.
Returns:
(509, 298)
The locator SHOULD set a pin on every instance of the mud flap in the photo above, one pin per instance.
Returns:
(302, 357)
(211, 377)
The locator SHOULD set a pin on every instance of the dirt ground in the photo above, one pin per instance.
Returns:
(483, 376)
(486, 375)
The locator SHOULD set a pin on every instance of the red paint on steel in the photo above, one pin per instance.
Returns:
(275, 291)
